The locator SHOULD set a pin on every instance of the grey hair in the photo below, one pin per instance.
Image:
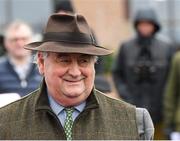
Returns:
(95, 58)
(16, 25)
(35, 56)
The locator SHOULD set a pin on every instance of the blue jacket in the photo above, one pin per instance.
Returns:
(10, 81)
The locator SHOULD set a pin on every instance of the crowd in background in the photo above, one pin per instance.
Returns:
(146, 70)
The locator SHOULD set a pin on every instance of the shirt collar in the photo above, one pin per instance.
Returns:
(81, 106)
(57, 108)
(43, 103)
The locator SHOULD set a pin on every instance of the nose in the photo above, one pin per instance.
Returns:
(74, 69)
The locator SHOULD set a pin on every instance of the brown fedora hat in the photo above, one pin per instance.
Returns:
(68, 33)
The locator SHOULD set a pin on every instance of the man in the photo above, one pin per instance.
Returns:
(18, 73)
(67, 106)
(142, 64)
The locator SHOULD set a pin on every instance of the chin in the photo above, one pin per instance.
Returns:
(74, 94)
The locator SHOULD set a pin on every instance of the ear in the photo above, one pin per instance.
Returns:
(40, 62)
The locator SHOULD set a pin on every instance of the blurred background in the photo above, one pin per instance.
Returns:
(109, 19)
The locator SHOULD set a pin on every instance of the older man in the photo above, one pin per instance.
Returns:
(67, 106)
(18, 73)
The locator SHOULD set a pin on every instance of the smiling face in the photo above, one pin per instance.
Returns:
(69, 77)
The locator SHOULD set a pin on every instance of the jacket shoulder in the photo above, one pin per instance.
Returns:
(141, 116)
(106, 100)
(117, 109)
(16, 109)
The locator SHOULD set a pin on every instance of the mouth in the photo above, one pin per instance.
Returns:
(74, 81)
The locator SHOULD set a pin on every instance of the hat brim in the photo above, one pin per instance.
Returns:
(63, 47)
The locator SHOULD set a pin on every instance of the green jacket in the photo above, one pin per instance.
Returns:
(103, 118)
(172, 97)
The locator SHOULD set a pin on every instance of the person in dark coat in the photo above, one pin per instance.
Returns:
(67, 106)
(141, 67)
(18, 73)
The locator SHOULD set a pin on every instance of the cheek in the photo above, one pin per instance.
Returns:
(54, 71)
(10, 47)
(90, 73)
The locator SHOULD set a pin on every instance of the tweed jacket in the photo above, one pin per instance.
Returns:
(103, 118)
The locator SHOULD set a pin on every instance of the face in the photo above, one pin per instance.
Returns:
(15, 40)
(69, 77)
(145, 28)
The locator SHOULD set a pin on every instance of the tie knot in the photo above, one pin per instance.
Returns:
(69, 110)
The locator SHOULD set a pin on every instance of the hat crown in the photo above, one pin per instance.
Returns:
(67, 23)
(68, 33)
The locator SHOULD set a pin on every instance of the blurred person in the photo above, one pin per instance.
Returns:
(172, 101)
(18, 73)
(141, 67)
(67, 106)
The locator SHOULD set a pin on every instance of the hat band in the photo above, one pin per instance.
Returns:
(70, 37)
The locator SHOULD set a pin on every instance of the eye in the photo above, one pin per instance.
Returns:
(64, 60)
(84, 61)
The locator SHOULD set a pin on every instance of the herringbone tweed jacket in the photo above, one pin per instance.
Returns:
(103, 118)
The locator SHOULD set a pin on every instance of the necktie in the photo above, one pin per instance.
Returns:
(68, 123)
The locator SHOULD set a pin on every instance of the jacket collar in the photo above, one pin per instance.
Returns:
(43, 102)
